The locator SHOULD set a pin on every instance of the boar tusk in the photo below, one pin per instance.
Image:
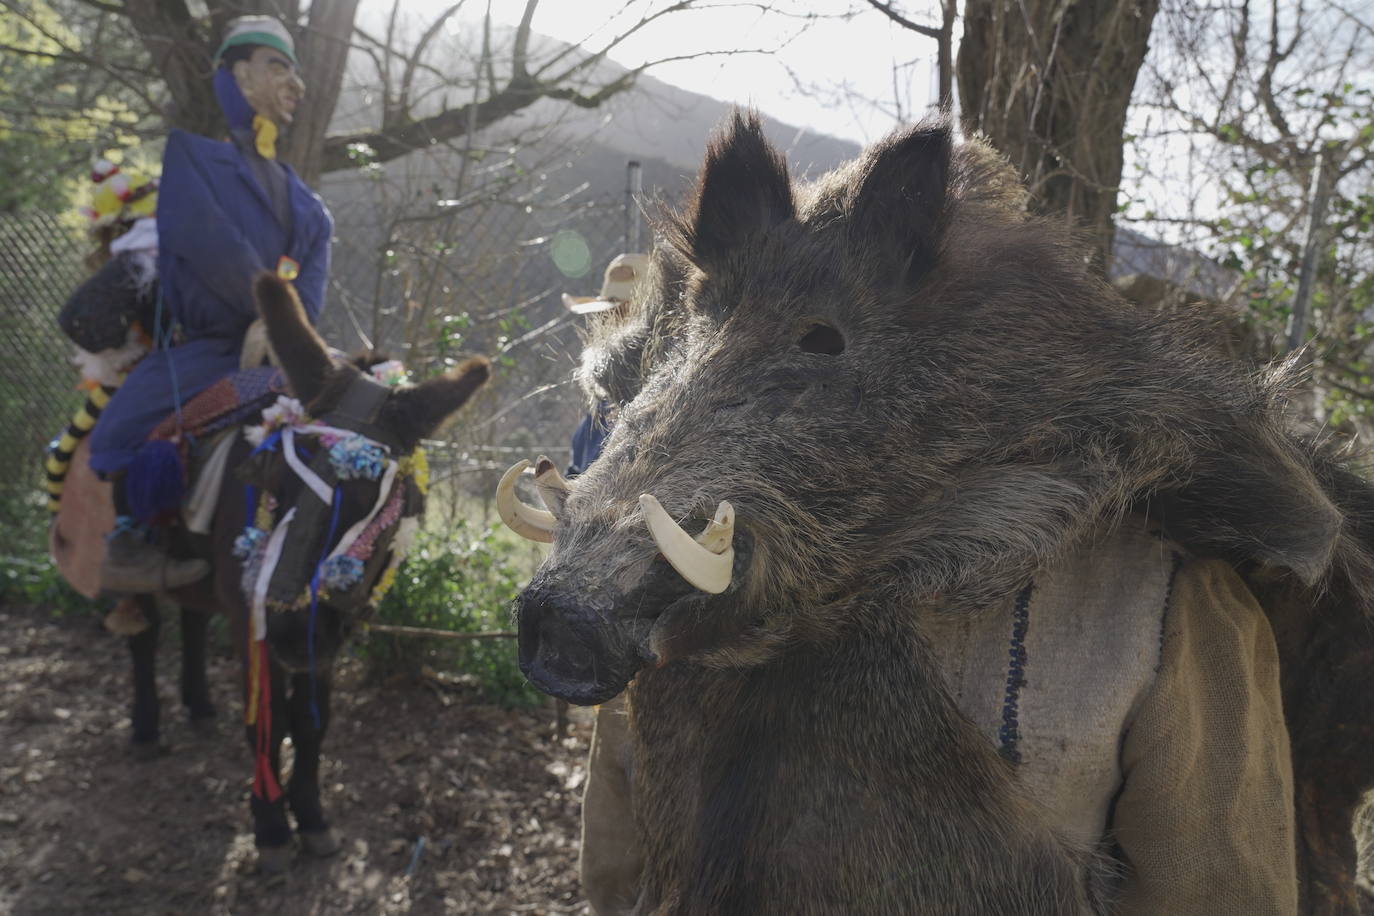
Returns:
(526, 521)
(720, 531)
(553, 489)
(706, 561)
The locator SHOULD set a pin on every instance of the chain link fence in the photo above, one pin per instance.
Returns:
(431, 284)
(40, 265)
(427, 285)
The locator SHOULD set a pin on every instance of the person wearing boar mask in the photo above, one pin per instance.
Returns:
(110, 315)
(229, 210)
(623, 276)
(1159, 740)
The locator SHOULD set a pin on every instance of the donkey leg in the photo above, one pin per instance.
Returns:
(1332, 739)
(143, 651)
(195, 688)
(309, 722)
(1327, 856)
(271, 828)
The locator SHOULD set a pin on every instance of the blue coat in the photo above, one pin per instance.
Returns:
(216, 230)
(589, 437)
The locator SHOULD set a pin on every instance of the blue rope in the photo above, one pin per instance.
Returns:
(124, 523)
(337, 501)
(157, 320)
(274, 439)
(269, 444)
(250, 514)
(163, 340)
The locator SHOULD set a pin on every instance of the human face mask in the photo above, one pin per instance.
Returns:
(271, 84)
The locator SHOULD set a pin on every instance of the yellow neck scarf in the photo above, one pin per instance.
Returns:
(265, 137)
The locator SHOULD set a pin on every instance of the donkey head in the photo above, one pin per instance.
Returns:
(340, 485)
(890, 381)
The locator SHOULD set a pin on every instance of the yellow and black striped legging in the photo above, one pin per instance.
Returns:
(60, 452)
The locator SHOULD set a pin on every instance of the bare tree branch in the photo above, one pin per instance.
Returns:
(418, 52)
(596, 57)
(391, 108)
(105, 7)
(887, 10)
(1276, 57)
(520, 91)
(179, 51)
(520, 53)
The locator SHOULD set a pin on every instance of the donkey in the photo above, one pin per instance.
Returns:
(308, 529)
(890, 395)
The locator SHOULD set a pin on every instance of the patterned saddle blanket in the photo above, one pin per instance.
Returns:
(226, 403)
(80, 502)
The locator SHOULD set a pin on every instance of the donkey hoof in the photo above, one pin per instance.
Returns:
(144, 751)
(320, 843)
(274, 860)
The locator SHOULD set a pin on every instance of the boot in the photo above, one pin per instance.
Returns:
(134, 566)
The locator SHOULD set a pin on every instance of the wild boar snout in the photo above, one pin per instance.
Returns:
(570, 651)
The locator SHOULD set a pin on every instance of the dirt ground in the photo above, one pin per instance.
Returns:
(443, 805)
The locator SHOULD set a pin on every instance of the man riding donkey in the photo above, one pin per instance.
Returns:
(611, 305)
(229, 210)
(303, 539)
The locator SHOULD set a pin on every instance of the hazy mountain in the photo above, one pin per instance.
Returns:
(660, 121)
(652, 121)
(565, 191)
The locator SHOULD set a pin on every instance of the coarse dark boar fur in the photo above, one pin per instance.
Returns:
(914, 395)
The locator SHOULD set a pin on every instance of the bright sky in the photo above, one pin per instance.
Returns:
(849, 71)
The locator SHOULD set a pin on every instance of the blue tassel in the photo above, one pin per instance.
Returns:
(155, 483)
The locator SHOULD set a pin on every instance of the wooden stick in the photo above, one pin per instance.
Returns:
(437, 634)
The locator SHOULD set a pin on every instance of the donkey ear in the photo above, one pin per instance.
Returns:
(742, 191)
(303, 355)
(897, 198)
(413, 413)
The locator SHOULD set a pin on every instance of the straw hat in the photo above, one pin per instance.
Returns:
(622, 276)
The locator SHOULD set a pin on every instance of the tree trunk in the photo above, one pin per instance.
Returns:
(1049, 83)
(178, 50)
(182, 51)
(323, 52)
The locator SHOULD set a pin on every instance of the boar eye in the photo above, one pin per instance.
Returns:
(822, 338)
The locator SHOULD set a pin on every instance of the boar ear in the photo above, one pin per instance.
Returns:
(303, 355)
(414, 413)
(896, 200)
(742, 191)
(1218, 509)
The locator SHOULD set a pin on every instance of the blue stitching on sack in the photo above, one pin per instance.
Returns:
(1009, 733)
(1168, 599)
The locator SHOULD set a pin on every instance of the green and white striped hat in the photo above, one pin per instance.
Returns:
(257, 30)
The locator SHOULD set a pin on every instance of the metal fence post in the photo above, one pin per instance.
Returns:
(1316, 211)
(634, 184)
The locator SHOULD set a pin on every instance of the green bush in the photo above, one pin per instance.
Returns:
(461, 580)
(36, 582)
